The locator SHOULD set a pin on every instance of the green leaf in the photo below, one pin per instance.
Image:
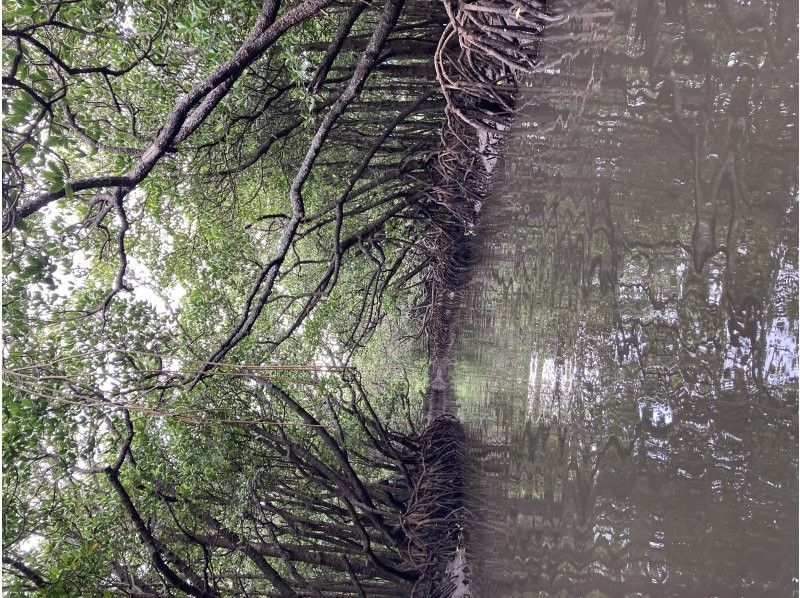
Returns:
(54, 176)
(26, 154)
(20, 108)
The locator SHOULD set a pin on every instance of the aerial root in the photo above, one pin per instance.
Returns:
(435, 521)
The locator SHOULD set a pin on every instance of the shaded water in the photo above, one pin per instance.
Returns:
(628, 348)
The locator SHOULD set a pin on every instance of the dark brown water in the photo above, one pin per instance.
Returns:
(628, 351)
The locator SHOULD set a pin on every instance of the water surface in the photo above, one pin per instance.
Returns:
(628, 348)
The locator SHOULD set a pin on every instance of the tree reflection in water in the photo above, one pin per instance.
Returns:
(628, 352)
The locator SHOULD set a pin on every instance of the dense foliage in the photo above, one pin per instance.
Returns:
(209, 209)
(220, 220)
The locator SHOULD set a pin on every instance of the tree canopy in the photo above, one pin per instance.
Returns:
(209, 211)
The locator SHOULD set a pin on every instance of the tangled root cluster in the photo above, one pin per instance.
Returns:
(486, 48)
(436, 518)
